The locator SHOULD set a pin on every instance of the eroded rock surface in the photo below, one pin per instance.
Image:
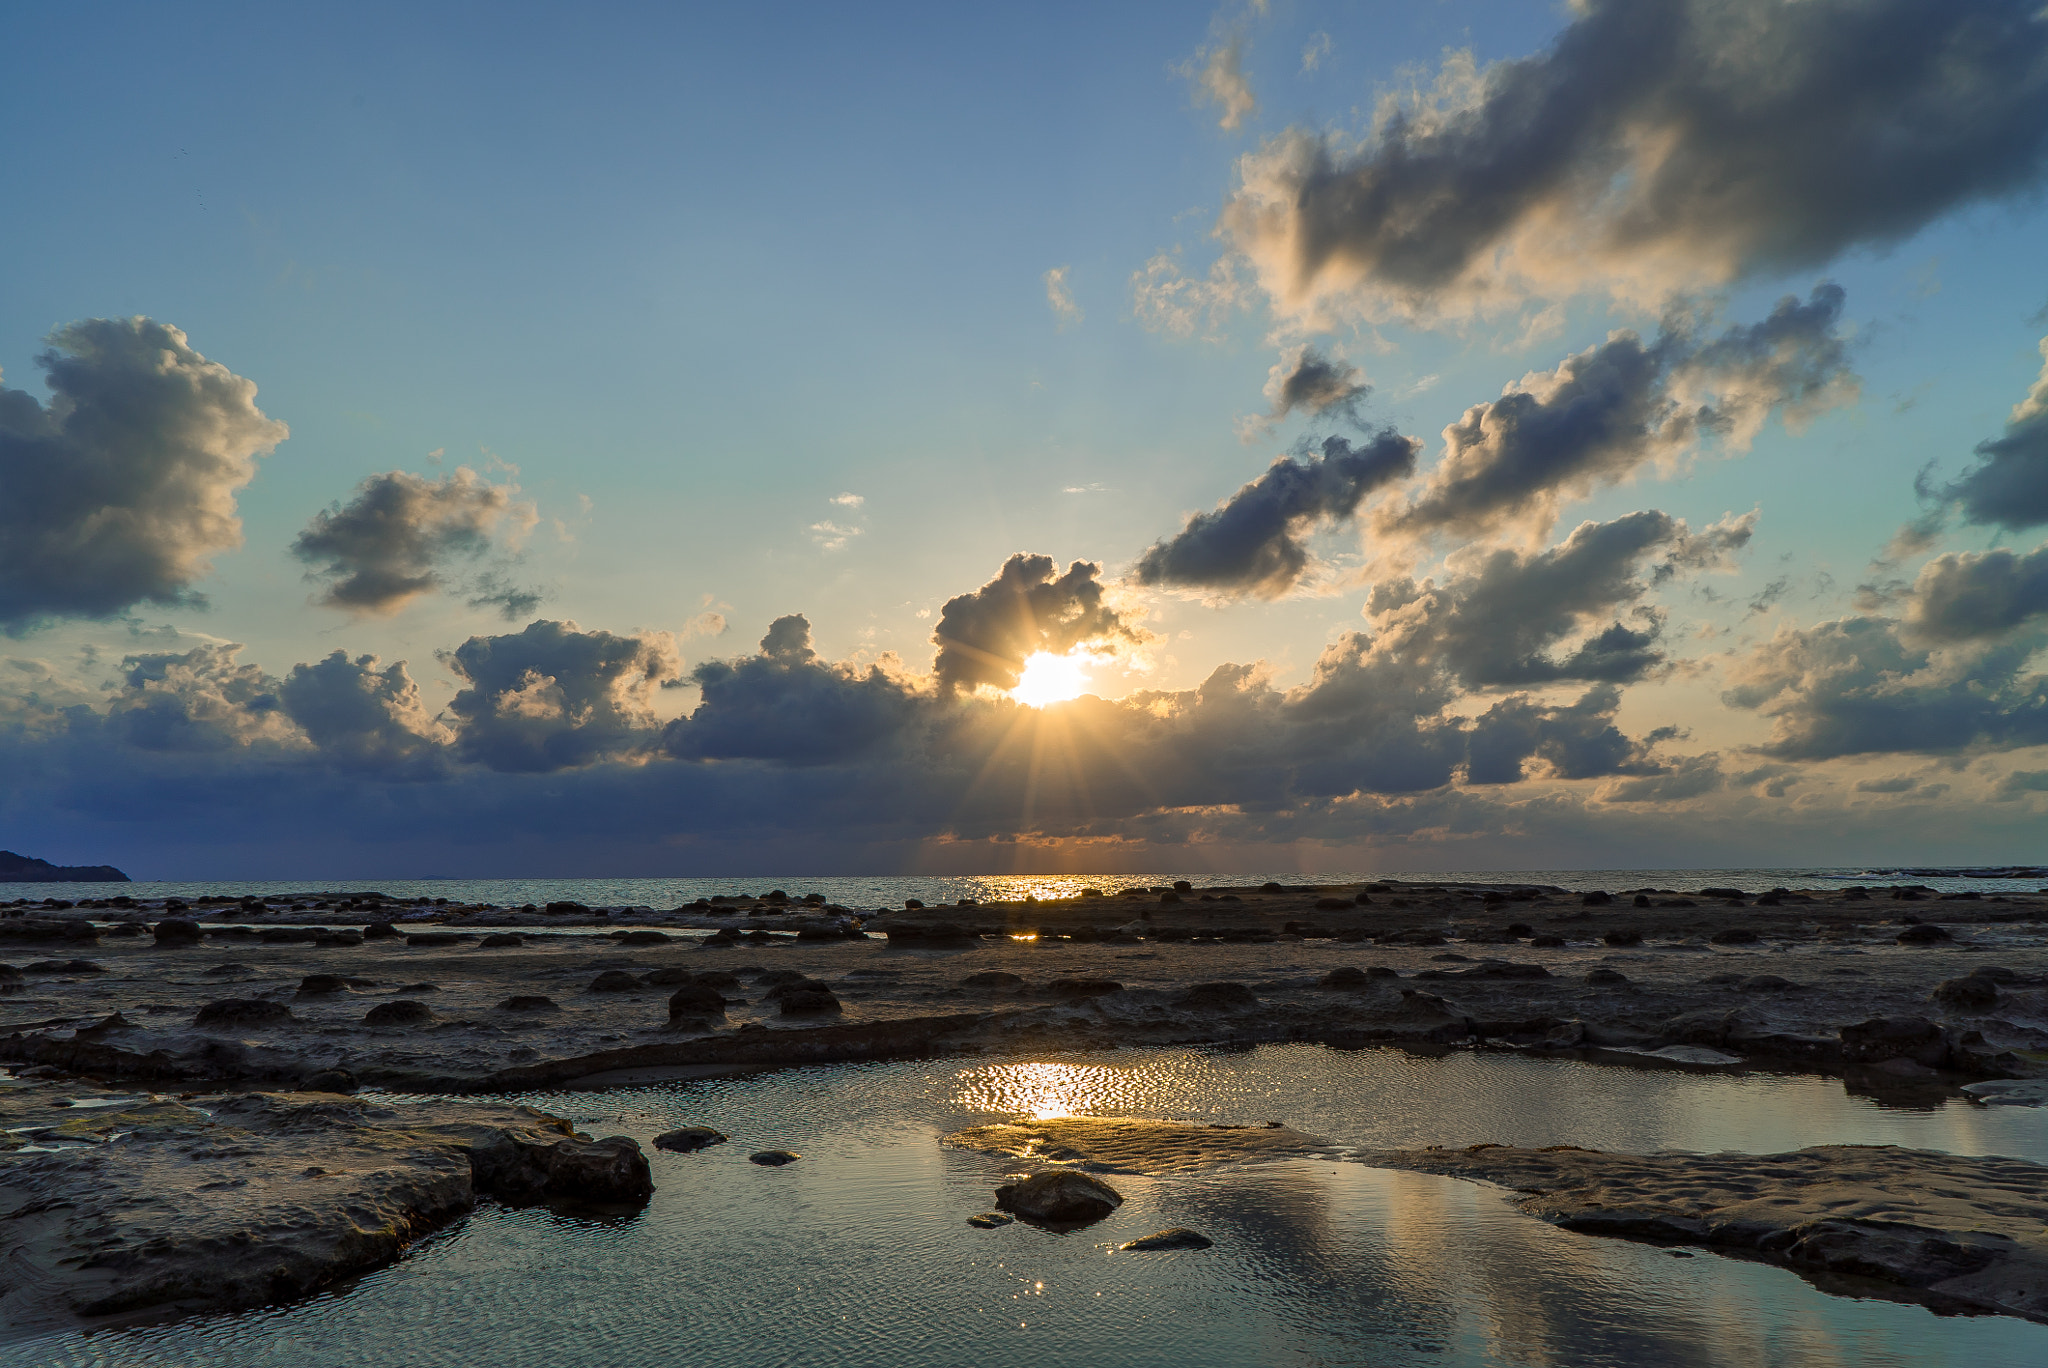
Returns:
(1115, 1144)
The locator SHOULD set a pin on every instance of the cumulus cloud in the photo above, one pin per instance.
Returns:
(1059, 297)
(1861, 685)
(1576, 741)
(1612, 409)
(1166, 299)
(984, 637)
(394, 539)
(1970, 597)
(1304, 379)
(2009, 486)
(198, 700)
(121, 490)
(786, 705)
(1252, 542)
(1654, 148)
(554, 696)
(1499, 620)
(364, 718)
(1692, 777)
(1218, 76)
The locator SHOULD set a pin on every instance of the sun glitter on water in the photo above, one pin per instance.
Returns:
(1049, 678)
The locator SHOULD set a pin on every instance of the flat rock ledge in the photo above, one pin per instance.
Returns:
(1107, 1144)
(1957, 1234)
(129, 1207)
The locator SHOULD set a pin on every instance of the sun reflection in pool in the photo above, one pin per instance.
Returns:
(1046, 1090)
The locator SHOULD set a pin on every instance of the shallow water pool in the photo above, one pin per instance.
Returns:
(859, 1253)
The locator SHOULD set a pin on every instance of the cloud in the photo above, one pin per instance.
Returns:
(1692, 777)
(122, 490)
(197, 700)
(492, 589)
(1303, 378)
(847, 500)
(1164, 299)
(1061, 299)
(1858, 686)
(1219, 79)
(1896, 783)
(392, 541)
(1251, 543)
(2023, 781)
(786, 705)
(984, 637)
(1653, 149)
(1498, 620)
(1970, 597)
(554, 696)
(1606, 412)
(2009, 487)
(832, 536)
(1314, 51)
(363, 718)
(1578, 741)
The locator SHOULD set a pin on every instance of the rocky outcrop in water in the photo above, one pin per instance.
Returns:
(1063, 1197)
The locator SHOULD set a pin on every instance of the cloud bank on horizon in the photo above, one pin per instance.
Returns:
(1492, 660)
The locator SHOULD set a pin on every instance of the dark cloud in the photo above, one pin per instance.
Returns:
(984, 637)
(2009, 486)
(1608, 411)
(197, 700)
(1577, 741)
(554, 696)
(1693, 777)
(1304, 380)
(1653, 148)
(363, 718)
(1251, 543)
(1857, 686)
(123, 488)
(392, 541)
(1970, 597)
(1499, 619)
(786, 705)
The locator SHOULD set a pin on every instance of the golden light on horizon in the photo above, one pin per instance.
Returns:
(1049, 678)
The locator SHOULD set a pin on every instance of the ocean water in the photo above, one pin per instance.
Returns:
(867, 891)
(859, 1254)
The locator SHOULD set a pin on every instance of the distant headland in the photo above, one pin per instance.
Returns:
(21, 869)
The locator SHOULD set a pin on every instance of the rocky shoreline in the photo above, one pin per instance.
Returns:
(262, 1019)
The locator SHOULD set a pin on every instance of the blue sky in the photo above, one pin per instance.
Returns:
(683, 276)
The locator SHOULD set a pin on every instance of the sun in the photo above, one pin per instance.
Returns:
(1048, 678)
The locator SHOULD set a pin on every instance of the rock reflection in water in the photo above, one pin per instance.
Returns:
(861, 1254)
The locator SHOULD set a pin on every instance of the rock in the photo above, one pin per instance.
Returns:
(993, 978)
(528, 1002)
(1734, 935)
(1623, 935)
(990, 1220)
(518, 1168)
(433, 938)
(1173, 1237)
(688, 1139)
(177, 932)
(1605, 977)
(668, 978)
(1345, 979)
(613, 981)
(568, 909)
(1218, 997)
(1882, 1039)
(420, 988)
(1596, 898)
(772, 1158)
(502, 940)
(1546, 941)
(1768, 983)
(227, 971)
(693, 999)
(1926, 933)
(77, 966)
(1063, 1197)
(1334, 904)
(403, 1012)
(332, 1081)
(242, 1012)
(642, 938)
(1970, 993)
(314, 985)
(808, 1002)
(1080, 988)
(380, 931)
(1505, 969)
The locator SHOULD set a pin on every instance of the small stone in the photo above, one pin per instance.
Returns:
(1173, 1237)
(773, 1158)
(688, 1139)
(1060, 1197)
(989, 1220)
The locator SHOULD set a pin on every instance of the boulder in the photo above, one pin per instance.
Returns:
(1623, 935)
(668, 978)
(177, 931)
(402, 1012)
(614, 981)
(642, 938)
(808, 1002)
(1345, 979)
(380, 931)
(1217, 997)
(1768, 983)
(528, 1002)
(693, 999)
(772, 1158)
(1173, 1237)
(314, 985)
(1733, 935)
(1926, 933)
(227, 971)
(519, 1168)
(433, 938)
(1080, 988)
(1063, 1197)
(242, 1012)
(1882, 1039)
(993, 978)
(503, 940)
(687, 1139)
(1970, 993)
(1605, 977)
(332, 1081)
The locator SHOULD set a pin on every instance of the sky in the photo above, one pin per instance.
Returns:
(489, 440)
